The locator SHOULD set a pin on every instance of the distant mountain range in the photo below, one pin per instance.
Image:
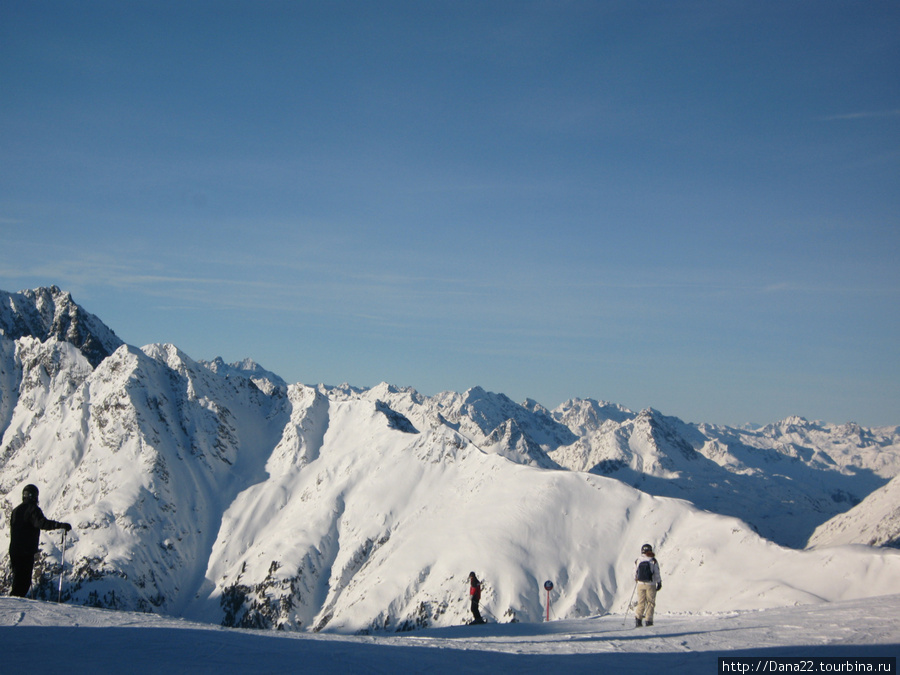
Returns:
(220, 492)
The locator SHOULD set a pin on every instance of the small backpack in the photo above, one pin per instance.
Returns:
(645, 571)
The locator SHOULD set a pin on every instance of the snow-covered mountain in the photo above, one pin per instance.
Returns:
(218, 492)
(784, 479)
(875, 521)
(51, 312)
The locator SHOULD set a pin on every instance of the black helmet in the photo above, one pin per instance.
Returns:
(646, 548)
(30, 493)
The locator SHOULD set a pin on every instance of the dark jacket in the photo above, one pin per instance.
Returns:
(25, 525)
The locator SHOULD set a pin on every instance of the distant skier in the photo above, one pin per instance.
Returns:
(475, 594)
(648, 582)
(25, 525)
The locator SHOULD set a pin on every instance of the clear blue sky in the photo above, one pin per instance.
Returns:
(691, 206)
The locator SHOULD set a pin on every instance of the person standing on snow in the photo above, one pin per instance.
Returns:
(475, 594)
(25, 525)
(648, 582)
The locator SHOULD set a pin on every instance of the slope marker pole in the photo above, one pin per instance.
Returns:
(548, 586)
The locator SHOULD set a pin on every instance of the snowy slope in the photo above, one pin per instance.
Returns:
(46, 637)
(219, 493)
(139, 454)
(875, 521)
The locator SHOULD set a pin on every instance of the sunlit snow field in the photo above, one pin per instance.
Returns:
(40, 637)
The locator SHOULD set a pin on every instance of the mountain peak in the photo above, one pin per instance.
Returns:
(48, 312)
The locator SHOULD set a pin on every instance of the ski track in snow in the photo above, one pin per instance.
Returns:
(46, 637)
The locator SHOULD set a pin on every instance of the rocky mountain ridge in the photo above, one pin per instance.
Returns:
(50, 312)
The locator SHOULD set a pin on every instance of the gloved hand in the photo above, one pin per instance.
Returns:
(65, 526)
(659, 586)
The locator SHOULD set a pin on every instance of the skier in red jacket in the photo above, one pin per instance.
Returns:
(475, 594)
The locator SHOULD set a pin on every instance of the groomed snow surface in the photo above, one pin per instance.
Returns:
(42, 637)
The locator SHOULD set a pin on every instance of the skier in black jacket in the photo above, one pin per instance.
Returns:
(25, 525)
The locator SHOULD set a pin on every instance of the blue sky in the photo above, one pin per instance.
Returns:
(691, 206)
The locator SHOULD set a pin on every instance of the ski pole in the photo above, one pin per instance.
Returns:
(628, 606)
(62, 569)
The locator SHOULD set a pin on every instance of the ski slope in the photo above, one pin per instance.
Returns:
(42, 637)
